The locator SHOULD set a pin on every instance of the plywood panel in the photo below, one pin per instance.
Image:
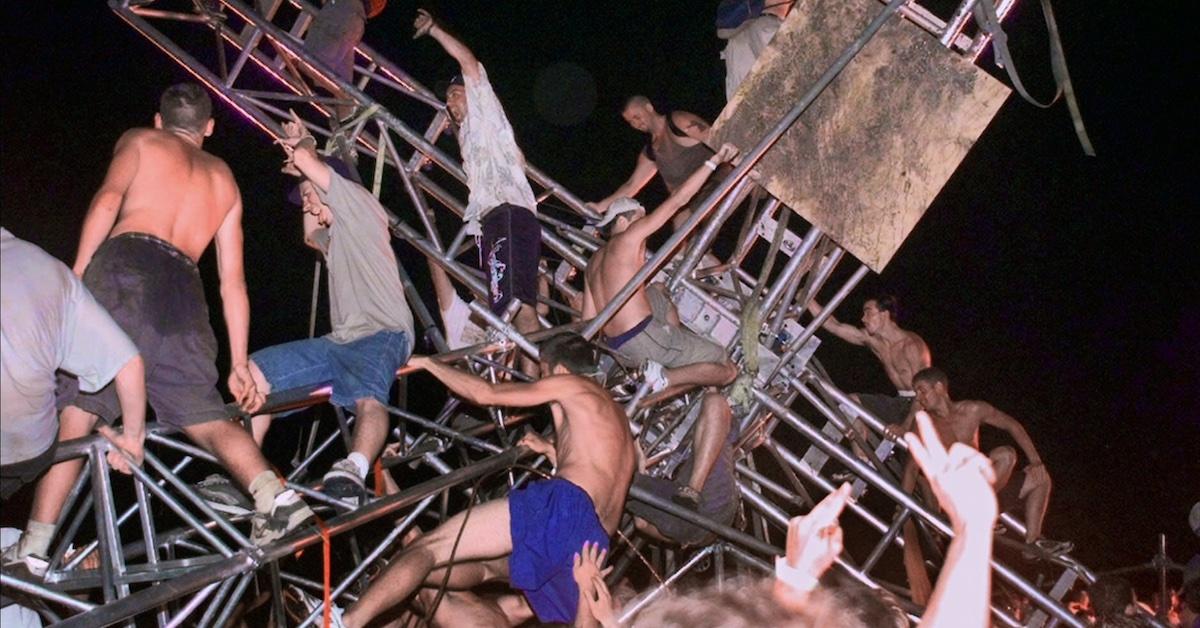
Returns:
(867, 158)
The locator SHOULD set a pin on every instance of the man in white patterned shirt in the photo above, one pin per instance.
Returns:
(501, 208)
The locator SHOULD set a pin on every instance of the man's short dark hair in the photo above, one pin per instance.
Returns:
(887, 303)
(931, 375)
(570, 350)
(185, 106)
(1110, 596)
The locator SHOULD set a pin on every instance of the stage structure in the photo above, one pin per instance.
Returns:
(152, 551)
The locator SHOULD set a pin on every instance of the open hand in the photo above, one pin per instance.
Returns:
(962, 478)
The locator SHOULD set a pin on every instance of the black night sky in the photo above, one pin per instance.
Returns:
(1062, 289)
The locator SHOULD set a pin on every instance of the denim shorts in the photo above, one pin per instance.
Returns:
(360, 369)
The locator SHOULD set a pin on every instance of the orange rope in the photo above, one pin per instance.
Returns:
(379, 477)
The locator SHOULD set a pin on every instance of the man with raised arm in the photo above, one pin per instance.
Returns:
(675, 149)
(646, 330)
(162, 202)
(501, 208)
(959, 422)
(537, 528)
(49, 321)
(901, 352)
(372, 324)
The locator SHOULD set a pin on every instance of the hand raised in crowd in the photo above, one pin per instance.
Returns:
(813, 543)
(132, 444)
(962, 478)
(423, 24)
(588, 571)
(295, 135)
(245, 391)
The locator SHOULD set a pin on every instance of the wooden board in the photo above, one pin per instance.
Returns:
(867, 158)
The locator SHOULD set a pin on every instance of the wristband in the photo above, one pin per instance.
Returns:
(797, 579)
(712, 165)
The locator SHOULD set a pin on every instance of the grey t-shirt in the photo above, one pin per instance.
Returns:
(365, 293)
(48, 321)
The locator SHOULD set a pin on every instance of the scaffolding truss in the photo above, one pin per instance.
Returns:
(154, 551)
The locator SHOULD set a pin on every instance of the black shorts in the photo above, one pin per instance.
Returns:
(14, 476)
(510, 249)
(153, 291)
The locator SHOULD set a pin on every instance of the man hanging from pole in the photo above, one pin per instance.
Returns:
(501, 209)
(646, 331)
(372, 333)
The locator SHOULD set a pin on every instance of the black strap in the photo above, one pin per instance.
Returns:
(985, 15)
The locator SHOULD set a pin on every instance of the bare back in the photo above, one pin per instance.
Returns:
(594, 446)
(901, 359)
(178, 192)
(609, 269)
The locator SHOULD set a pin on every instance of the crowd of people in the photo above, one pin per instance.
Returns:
(127, 325)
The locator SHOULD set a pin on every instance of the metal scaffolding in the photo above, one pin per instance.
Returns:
(153, 551)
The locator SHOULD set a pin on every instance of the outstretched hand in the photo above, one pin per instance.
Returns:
(423, 24)
(589, 576)
(536, 443)
(961, 477)
(815, 540)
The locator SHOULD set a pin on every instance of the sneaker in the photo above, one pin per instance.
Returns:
(342, 480)
(311, 604)
(34, 564)
(654, 373)
(288, 513)
(687, 497)
(223, 496)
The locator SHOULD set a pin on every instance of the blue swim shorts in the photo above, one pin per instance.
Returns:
(358, 369)
(549, 521)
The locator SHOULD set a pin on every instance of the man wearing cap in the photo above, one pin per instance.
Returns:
(501, 208)
(372, 324)
(646, 330)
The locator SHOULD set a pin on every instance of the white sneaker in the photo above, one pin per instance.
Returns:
(343, 481)
(653, 373)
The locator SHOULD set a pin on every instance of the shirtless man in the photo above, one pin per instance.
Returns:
(959, 422)
(644, 332)
(161, 203)
(676, 148)
(901, 352)
(537, 528)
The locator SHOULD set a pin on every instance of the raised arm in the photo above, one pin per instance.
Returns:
(106, 204)
(302, 158)
(425, 24)
(643, 171)
(644, 228)
(849, 333)
(484, 393)
(962, 479)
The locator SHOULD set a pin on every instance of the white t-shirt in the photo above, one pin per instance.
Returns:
(461, 331)
(48, 321)
(494, 164)
(14, 616)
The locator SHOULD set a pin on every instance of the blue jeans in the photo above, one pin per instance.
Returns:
(361, 369)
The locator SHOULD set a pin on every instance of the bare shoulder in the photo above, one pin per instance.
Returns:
(973, 408)
(914, 340)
